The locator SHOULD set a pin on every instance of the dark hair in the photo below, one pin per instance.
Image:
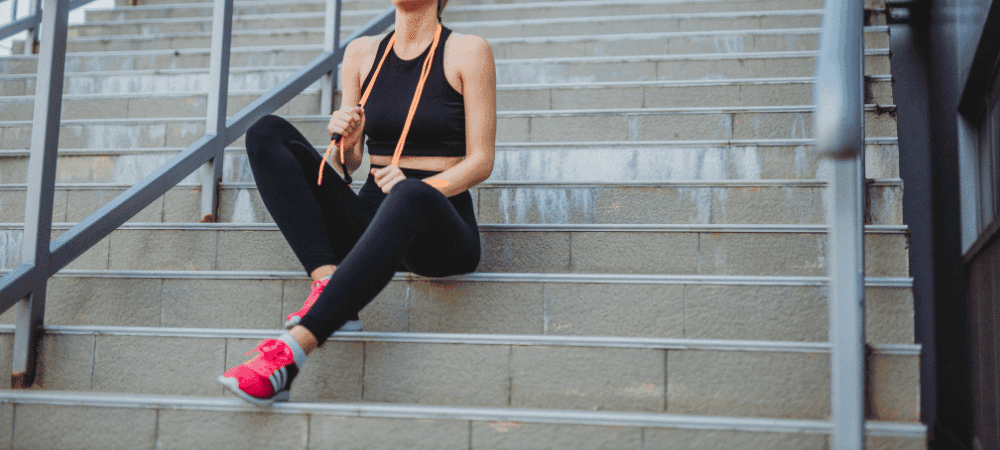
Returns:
(439, 10)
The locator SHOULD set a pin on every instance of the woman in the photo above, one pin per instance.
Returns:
(413, 215)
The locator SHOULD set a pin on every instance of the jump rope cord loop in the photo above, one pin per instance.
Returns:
(425, 72)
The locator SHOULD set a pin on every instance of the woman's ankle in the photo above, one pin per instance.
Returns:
(305, 338)
(322, 272)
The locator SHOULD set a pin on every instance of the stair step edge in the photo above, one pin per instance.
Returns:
(506, 146)
(483, 339)
(396, 411)
(569, 227)
(511, 277)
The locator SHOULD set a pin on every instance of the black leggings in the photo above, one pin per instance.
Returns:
(368, 236)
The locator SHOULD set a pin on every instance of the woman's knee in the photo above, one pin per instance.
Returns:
(264, 128)
(413, 190)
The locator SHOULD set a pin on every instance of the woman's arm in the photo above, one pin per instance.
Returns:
(355, 55)
(479, 88)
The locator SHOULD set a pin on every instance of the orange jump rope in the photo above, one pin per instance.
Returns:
(425, 72)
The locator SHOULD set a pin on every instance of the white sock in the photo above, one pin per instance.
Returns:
(300, 355)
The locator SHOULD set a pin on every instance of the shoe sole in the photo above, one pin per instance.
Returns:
(234, 386)
(293, 322)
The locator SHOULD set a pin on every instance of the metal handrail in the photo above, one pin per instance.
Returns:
(31, 22)
(840, 133)
(26, 283)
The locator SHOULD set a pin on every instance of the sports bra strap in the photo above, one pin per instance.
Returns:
(425, 72)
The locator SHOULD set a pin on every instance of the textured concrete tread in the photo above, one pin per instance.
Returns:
(569, 417)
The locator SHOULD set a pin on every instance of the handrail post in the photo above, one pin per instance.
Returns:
(331, 42)
(218, 97)
(847, 305)
(41, 186)
(840, 135)
(34, 9)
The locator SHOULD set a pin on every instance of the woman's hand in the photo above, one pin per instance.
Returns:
(387, 177)
(348, 122)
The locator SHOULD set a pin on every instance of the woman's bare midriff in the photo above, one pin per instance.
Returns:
(430, 163)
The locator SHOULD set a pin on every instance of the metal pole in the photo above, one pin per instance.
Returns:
(331, 42)
(41, 185)
(215, 123)
(847, 306)
(34, 9)
(847, 245)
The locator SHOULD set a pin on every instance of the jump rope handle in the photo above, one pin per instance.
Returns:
(335, 139)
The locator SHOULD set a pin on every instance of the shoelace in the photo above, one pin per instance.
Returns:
(274, 354)
(425, 72)
(317, 288)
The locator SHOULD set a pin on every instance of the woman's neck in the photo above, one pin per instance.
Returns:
(415, 29)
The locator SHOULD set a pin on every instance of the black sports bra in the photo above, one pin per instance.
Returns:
(438, 127)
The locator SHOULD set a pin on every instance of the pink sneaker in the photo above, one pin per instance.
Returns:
(294, 318)
(266, 376)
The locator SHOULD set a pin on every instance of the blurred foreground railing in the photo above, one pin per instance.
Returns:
(840, 136)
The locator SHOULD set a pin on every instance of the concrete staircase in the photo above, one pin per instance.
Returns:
(654, 263)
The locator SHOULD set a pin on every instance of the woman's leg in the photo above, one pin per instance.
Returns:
(412, 213)
(320, 223)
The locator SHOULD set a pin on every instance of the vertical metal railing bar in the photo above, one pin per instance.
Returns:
(13, 17)
(218, 98)
(34, 9)
(839, 128)
(41, 187)
(331, 42)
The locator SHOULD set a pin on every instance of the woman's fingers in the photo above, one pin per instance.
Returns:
(392, 182)
(346, 121)
(387, 177)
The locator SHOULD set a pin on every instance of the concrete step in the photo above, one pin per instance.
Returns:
(472, 12)
(654, 306)
(645, 23)
(113, 92)
(657, 67)
(524, 202)
(546, 162)
(738, 41)
(648, 124)
(676, 376)
(102, 421)
(789, 250)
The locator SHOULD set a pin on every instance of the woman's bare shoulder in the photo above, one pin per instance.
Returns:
(470, 47)
(363, 46)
